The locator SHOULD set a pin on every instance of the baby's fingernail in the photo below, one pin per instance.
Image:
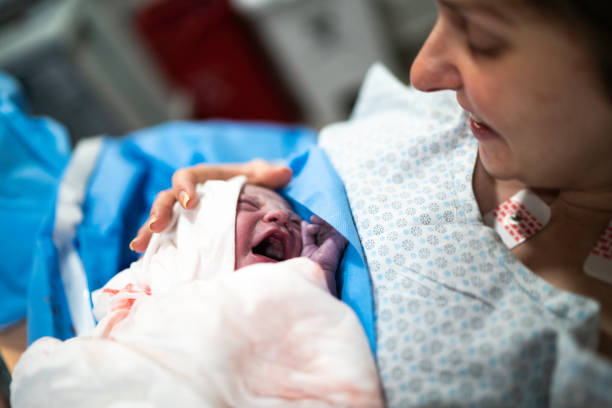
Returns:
(133, 243)
(184, 198)
(150, 223)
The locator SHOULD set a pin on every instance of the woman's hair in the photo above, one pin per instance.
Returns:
(594, 18)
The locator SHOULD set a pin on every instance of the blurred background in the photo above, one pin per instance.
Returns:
(111, 66)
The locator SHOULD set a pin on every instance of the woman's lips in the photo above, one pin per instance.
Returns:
(481, 131)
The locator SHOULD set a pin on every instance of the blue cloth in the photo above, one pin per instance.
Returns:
(129, 173)
(33, 154)
(316, 187)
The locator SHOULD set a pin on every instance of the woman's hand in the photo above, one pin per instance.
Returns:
(184, 182)
(325, 246)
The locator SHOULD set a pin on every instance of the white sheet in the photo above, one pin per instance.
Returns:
(175, 331)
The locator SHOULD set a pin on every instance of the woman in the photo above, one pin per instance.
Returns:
(535, 78)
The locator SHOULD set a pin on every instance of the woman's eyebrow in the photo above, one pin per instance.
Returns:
(484, 7)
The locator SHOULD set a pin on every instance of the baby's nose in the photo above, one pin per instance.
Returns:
(277, 215)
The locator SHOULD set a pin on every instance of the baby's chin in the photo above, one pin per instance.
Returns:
(270, 251)
(252, 259)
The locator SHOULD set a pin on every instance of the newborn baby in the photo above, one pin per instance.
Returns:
(181, 328)
(267, 230)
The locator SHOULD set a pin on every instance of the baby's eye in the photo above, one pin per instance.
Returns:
(246, 204)
(296, 222)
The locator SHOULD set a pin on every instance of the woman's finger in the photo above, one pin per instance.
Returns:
(159, 218)
(258, 172)
(184, 182)
(161, 211)
(267, 175)
(141, 241)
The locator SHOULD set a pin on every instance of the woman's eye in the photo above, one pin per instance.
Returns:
(485, 51)
(482, 43)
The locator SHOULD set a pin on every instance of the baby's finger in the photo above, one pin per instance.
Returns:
(315, 219)
(313, 229)
(308, 238)
(334, 242)
(325, 229)
(339, 241)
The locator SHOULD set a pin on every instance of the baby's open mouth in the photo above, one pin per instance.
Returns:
(274, 245)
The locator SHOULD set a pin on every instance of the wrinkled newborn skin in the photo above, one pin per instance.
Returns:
(267, 229)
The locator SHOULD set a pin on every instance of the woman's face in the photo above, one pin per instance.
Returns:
(267, 229)
(538, 105)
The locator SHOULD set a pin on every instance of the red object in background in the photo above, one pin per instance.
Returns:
(203, 47)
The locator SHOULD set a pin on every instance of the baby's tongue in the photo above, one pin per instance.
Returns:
(271, 247)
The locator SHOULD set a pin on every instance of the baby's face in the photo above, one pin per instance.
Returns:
(267, 229)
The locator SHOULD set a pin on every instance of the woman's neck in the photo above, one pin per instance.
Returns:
(558, 252)
(577, 209)
(577, 220)
(586, 204)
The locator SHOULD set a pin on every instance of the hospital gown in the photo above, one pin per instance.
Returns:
(460, 321)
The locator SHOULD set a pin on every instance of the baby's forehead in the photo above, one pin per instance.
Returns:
(265, 195)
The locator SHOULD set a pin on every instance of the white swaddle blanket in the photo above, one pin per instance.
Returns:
(179, 328)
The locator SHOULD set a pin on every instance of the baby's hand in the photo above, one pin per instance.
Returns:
(323, 245)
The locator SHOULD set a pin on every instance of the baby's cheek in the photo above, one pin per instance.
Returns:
(298, 244)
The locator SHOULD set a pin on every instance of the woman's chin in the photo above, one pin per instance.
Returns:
(495, 164)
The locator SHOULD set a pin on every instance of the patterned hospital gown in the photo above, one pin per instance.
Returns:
(460, 321)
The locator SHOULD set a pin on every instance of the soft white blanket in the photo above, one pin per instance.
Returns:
(269, 335)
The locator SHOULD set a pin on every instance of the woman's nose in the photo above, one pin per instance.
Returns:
(277, 215)
(435, 68)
